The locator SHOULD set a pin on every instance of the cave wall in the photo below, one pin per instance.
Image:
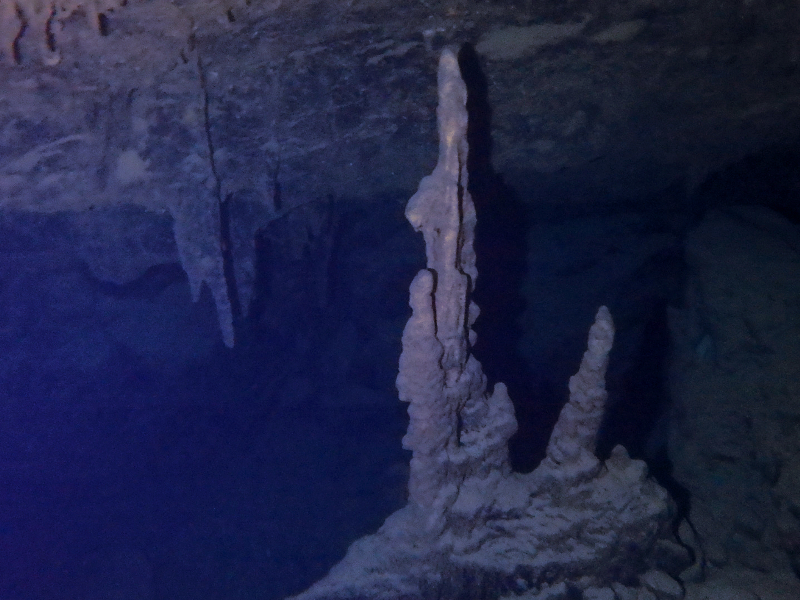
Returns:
(227, 115)
(267, 149)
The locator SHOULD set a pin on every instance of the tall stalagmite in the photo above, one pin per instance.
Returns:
(439, 377)
(472, 529)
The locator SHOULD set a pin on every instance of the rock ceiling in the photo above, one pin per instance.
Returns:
(102, 101)
(179, 106)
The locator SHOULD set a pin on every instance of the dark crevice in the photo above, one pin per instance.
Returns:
(640, 396)
(207, 129)
(17, 57)
(501, 251)
(50, 39)
(767, 178)
(435, 282)
(103, 24)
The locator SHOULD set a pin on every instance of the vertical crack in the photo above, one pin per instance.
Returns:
(207, 127)
(226, 247)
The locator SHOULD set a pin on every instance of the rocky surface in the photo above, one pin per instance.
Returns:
(734, 380)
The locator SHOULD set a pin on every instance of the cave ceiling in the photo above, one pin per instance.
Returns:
(178, 107)
(105, 102)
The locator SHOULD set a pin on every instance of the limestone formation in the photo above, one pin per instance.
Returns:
(472, 528)
(196, 227)
(572, 442)
(439, 377)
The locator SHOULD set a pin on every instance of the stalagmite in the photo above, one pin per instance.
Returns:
(574, 437)
(472, 529)
(448, 409)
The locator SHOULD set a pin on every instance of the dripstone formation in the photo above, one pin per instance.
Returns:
(576, 527)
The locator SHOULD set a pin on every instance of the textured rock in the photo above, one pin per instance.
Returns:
(745, 584)
(599, 594)
(662, 585)
(735, 388)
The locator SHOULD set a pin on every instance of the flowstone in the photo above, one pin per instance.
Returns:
(472, 528)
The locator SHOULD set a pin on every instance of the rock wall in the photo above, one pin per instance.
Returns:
(735, 384)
